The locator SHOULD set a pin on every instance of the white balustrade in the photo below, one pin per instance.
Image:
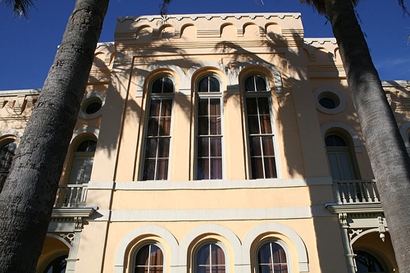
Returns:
(71, 195)
(356, 192)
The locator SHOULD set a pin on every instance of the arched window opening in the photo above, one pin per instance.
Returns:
(341, 158)
(7, 151)
(83, 162)
(260, 128)
(210, 258)
(367, 263)
(58, 265)
(158, 131)
(209, 129)
(272, 258)
(149, 259)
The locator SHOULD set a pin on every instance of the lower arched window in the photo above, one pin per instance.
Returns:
(272, 258)
(367, 263)
(210, 258)
(58, 265)
(149, 259)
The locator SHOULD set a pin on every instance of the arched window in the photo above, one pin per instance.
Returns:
(340, 156)
(366, 262)
(158, 130)
(272, 258)
(58, 265)
(149, 259)
(83, 162)
(7, 150)
(260, 127)
(210, 258)
(209, 129)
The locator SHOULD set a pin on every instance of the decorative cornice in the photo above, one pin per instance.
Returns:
(223, 16)
(73, 212)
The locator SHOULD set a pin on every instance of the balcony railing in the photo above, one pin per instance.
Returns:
(71, 196)
(356, 192)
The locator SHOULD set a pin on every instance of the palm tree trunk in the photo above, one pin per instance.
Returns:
(388, 156)
(28, 195)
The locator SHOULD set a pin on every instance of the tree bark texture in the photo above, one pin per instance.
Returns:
(389, 159)
(29, 192)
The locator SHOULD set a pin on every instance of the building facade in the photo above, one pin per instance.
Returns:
(214, 143)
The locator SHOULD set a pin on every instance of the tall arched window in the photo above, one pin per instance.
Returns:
(260, 127)
(272, 258)
(149, 259)
(83, 162)
(210, 258)
(367, 263)
(7, 150)
(158, 130)
(209, 129)
(341, 158)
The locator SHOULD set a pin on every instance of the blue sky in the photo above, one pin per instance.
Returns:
(28, 46)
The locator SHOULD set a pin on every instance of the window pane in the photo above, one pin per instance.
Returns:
(270, 167)
(267, 143)
(265, 125)
(279, 255)
(253, 123)
(152, 129)
(264, 254)
(151, 148)
(260, 83)
(168, 86)
(6, 156)
(281, 269)
(346, 166)
(165, 127)
(154, 108)
(142, 256)
(203, 126)
(257, 168)
(203, 107)
(263, 104)
(202, 257)
(163, 147)
(215, 125)
(216, 146)
(251, 106)
(250, 84)
(203, 85)
(265, 269)
(255, 148)
(203, 146)
(166, 108)
(149, 169)
(334, 166)
(335, 140)
(216, 168)
(162, 169)
(215, 107)
(218, 257)
(213, 85)
(203, 168)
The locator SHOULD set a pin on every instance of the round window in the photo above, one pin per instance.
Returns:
(91, 106)
(329, 100)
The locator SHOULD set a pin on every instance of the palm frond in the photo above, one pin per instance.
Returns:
(164, 7)
(405, 11)
(320, 5)
(20, 7)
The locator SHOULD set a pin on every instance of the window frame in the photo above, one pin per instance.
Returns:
(4, 173)
(209, 242)
(161, 96)
(259, 94)
(137, 248)
(338, 150)
(210, 95)
(274, 240)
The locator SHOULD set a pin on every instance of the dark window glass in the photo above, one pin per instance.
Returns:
(57, 266)
(149, 259)
(158, 131)
(261, 146)
(7, 152)
(163, 85)
(366, 262)
(87, 146)
(327, 103)
(272, 259)
(93, 107)
(255, 83)
(210, 258)
(341, 158)
(209, 130)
